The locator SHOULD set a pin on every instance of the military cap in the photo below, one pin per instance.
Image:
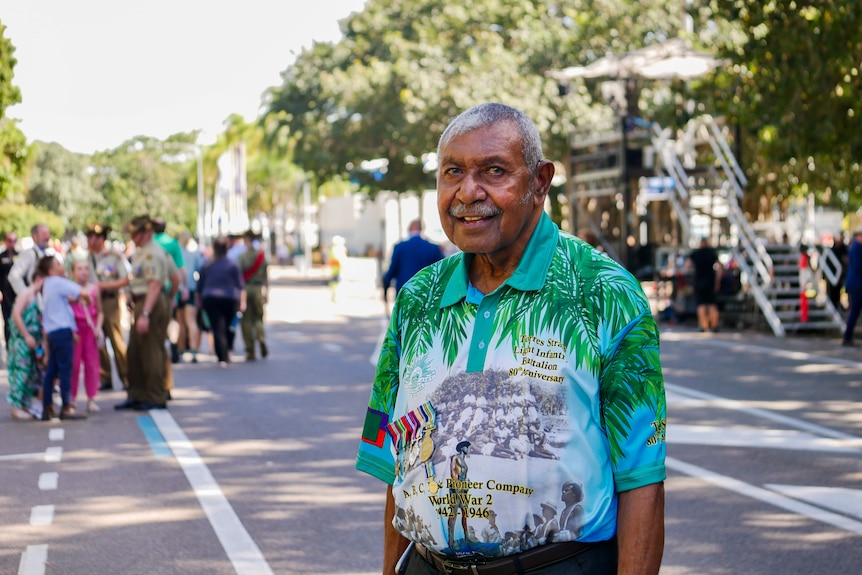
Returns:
(139, 224)
(98, 230)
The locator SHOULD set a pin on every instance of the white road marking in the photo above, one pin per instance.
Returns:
(765, 496)
(754, 437)
(812, 437)
(48, 481)
(42, 515)
(33, 560)
(19, 456)
(840, 499)
(53, 455)
(241, 549)
(50, 455)
(710, 400)
(759, 350)
(57, 434)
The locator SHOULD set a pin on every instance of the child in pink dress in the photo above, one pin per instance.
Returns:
(89, 320)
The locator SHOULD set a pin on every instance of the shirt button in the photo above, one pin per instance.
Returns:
(487, 314)
(481, 345)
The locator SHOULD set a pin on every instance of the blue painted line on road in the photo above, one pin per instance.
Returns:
(154, 436)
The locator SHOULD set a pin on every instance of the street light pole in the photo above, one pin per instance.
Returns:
(201, 226)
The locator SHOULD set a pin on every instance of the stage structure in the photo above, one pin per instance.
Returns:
(640, 187)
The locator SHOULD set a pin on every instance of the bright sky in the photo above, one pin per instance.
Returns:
(94, 73)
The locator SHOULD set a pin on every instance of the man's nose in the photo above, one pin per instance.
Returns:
(472, 188)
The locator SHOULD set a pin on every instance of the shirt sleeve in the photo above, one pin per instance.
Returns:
(375, 455)
(70, 289)
(19, 269)
(632, 388)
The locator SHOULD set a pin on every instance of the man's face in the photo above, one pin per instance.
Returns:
(485, 199)
(94, 242)
(140, 238)
(10, 240)
(569, 496)
(42, 237)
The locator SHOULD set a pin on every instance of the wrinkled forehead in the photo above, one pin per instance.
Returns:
(489, 143)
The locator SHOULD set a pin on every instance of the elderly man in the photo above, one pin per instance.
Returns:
(110, 270)
(22, 271)
(526, 323)
(152, 269)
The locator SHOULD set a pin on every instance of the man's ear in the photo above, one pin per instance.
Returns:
(544, 174)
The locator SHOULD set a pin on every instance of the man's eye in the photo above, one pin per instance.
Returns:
(494, 171)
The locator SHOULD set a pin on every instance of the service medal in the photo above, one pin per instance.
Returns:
(426, 450)
(414, 453)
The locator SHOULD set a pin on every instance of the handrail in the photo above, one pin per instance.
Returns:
(673, 168)
(833, 267)
(669, 160)
(759, 294)
(726, 151)
(763, 262)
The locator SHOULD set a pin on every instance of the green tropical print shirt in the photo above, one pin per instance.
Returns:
(520, 412)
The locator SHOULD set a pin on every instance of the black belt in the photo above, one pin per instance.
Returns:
(139, 297)
(530, 560)
(109, 294)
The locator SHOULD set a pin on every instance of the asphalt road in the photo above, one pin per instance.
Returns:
(251, 471)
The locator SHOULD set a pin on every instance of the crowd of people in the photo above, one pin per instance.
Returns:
(150, 300)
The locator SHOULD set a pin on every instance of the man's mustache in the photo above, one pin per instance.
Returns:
(474, 211)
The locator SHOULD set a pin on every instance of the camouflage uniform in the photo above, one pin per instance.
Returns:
(110, 266)
(147, 355)
(252, 317)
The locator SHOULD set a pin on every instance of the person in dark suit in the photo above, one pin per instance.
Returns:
(7, 294)
(410, 256)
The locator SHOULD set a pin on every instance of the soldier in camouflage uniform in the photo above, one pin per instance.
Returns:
(152, 268)
(252, 262)
(109, 269)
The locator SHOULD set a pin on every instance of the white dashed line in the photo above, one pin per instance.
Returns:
(53, 455)
(42, 515)
(48, 481)
(57, 434)
(33, 560)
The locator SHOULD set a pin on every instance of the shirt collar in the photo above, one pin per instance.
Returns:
(530, 274)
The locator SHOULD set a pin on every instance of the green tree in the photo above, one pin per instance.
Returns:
(19, 218)
(60, 183)
(13, 145)
(794, 85)
(404, 69)
(142, 176)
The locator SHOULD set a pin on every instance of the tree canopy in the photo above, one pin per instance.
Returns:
(370, 108)
(404, 69)
(13, 144)
(794, 85)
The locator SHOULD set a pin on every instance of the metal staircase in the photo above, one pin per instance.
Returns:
(708, 183)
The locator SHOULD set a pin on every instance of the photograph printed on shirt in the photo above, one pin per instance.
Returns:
(485, 425)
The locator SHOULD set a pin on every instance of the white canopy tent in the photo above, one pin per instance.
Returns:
(671, 59)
